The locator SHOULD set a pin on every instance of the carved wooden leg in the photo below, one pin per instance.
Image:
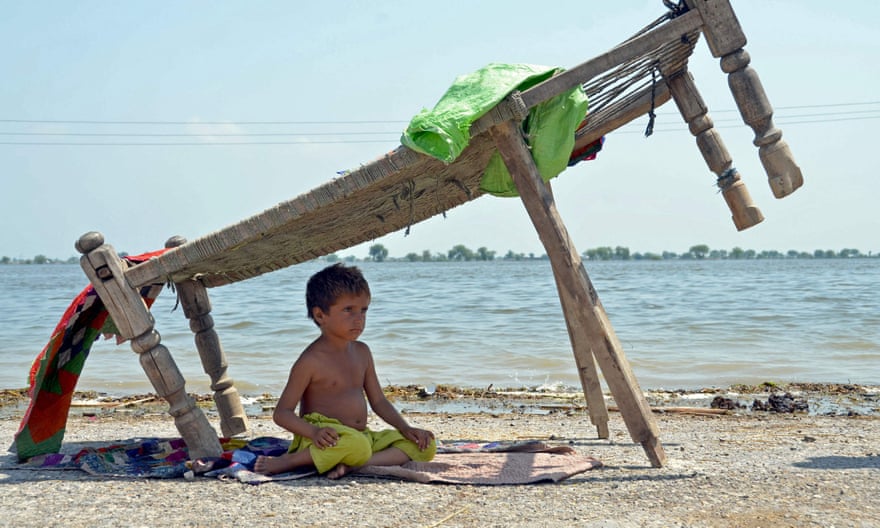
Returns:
(197, 308)
(783, 173)
(134, 321)
(583, 311)
(694, 111)
(726, 40)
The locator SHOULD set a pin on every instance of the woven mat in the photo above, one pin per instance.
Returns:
(460, 462)
(492, 464)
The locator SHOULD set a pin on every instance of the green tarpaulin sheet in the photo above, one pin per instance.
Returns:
(444, 131)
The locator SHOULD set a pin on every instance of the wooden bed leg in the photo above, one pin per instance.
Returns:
(105, 270)
(726, 40)
(585, 315)
(586, 365)
(588, 373)
(197, 308)
(695, 113)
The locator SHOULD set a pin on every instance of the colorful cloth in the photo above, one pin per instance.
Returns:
(587, 152)
(56, 369)
(152, 457)
(462, 461)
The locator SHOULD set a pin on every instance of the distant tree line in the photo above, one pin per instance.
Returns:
(461, 253)
(703, 252)
(379, 253)
(39, 259)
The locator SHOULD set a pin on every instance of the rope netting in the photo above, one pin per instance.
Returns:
(396, 190)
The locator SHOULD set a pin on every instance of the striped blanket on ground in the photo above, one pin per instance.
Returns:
(462, 462)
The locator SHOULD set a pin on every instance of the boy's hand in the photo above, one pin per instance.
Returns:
(325, 437)
(421, 437)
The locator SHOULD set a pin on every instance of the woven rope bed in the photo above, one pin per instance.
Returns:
(404, 187)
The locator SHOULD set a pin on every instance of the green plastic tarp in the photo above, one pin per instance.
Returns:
(444, 131)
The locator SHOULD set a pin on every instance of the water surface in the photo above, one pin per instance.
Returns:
(682, 324)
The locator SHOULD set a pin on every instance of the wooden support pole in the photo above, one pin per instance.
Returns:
(586, 364)
(196, 306)
(587, 371)
(105, 270)
(695, 113)
(726, 39)
(587, 320)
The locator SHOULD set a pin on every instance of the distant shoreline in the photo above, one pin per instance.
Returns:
(460, 253)
(828, 399)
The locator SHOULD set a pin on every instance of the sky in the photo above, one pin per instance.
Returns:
(141, 119)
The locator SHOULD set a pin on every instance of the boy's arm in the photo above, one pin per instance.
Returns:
(285, 414)
(385, 410)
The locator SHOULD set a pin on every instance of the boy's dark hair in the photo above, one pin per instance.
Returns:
(332, 282)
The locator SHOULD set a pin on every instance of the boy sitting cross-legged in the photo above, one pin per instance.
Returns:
(329, 381)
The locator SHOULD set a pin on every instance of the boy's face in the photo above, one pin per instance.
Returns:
(345, 318)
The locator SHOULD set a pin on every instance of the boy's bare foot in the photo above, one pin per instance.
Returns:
(271, 465)
(339, 471)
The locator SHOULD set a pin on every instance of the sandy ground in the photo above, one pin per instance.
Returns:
(744, 468)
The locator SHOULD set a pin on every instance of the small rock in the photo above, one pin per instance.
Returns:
(785, 403)
(720, 402)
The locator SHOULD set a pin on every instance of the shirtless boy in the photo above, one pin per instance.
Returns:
(329, 382)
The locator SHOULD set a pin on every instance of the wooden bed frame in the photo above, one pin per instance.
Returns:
(404, 187)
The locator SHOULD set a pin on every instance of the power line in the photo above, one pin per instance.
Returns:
(799, 107)
(186, 143)
(391, 136)
(206, 134)
(330, 122)
(782, 119)
(779, 121)
(628, 129)
(194, 123)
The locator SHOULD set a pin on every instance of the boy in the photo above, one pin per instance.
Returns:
(329, 381)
